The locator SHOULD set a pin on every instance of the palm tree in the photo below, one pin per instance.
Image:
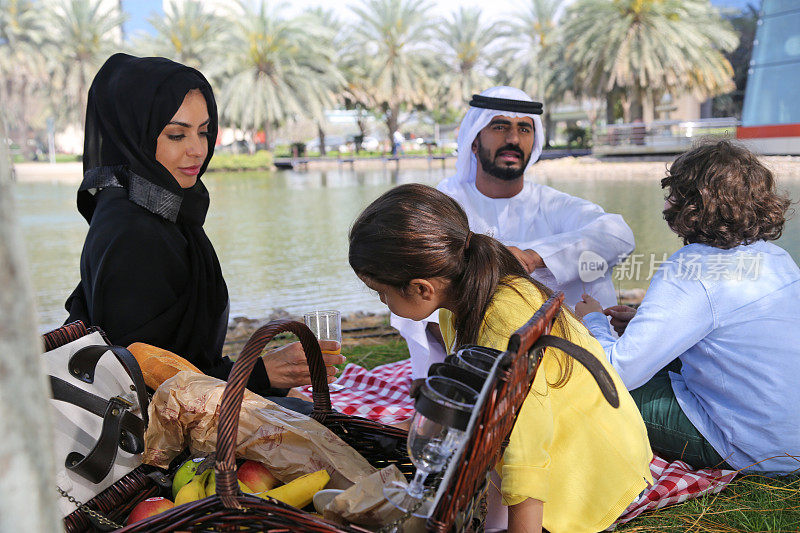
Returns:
(645, 48)
(533, 61)
(83, 34)
(466, 43)
(392, 37)
(22, 67)
(356, 94)
(187, 33)
(531, 45)
(336, 39)
(276, 68)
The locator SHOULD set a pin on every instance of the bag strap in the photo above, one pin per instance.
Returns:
(83, 362)
(63, 391)
(588, 360)
(98, 462)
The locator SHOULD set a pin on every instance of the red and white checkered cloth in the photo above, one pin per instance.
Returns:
(675, 483)
(381, 394)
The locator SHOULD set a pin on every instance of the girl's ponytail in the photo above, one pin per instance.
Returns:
(486, 265)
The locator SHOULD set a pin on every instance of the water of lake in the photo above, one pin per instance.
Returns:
(281, 237)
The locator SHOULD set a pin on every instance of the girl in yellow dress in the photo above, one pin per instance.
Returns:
(574, 463)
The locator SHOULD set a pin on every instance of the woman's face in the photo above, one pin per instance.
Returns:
(182, 146)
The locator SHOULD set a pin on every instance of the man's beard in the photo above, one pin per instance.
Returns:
(502, 172)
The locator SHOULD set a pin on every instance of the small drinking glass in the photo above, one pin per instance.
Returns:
(475, 361)
(326, 326)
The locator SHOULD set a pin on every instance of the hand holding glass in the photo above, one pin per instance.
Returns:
(327, 326)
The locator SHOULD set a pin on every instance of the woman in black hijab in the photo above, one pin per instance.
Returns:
(148, 271)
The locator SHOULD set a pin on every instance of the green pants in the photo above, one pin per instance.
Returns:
(671, 434)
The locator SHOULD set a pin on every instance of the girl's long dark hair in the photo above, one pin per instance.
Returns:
(417, 232)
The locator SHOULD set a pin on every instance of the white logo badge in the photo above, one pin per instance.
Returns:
(591, 266)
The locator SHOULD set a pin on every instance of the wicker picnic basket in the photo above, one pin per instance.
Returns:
(229, 509)
(380, 444)
(460, 491)
(459, 503)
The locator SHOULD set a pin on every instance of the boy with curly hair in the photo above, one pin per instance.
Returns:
(712, 355)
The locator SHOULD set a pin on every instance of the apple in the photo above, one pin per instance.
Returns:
(148, 508)
(256, 476)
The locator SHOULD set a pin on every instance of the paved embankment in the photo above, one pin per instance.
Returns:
(561, 168)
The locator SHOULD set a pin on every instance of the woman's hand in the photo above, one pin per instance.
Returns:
(588, 305)
(287, 367)
(620, 316)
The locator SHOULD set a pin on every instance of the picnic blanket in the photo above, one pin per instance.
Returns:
(675, 483)
(381, 394)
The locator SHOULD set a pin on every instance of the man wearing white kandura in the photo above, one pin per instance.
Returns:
(567, 243)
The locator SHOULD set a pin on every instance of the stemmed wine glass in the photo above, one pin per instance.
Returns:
(437, 430)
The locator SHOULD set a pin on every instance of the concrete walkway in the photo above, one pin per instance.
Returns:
(45, 172)
(578, 168)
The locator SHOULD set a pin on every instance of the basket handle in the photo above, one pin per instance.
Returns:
(522, 340)
(231, 404)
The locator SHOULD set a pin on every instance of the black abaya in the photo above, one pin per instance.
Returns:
(148, 271)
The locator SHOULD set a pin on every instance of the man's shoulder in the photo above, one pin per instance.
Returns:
(449, 185)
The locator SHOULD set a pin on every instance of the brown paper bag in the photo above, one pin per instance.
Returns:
(184, 413)
(365, 505)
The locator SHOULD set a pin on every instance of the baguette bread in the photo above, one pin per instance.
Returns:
(157, 364)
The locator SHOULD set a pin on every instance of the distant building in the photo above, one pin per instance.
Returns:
(771, 114)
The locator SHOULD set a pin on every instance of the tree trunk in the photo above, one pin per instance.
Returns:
(648, 107)
(391, 120)
(611, 101)
(361, 121)
(548, 127)
(636, 104)
(27, 476)
(321, 133)
(267, 136)
(626, 102)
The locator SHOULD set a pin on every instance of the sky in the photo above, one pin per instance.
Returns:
(140, 10)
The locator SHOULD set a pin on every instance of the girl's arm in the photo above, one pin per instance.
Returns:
(525, 517)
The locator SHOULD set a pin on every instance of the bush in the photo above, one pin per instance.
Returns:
(577, 137)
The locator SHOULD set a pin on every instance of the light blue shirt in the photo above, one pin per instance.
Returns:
(733, 318)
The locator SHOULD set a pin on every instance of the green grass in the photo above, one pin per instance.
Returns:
(60, 158)
(258, 161)
(379, 354)
(749, 504)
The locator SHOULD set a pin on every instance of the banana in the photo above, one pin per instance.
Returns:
(192, 491)
(185, 474)
(298, 493)
(211, 485)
